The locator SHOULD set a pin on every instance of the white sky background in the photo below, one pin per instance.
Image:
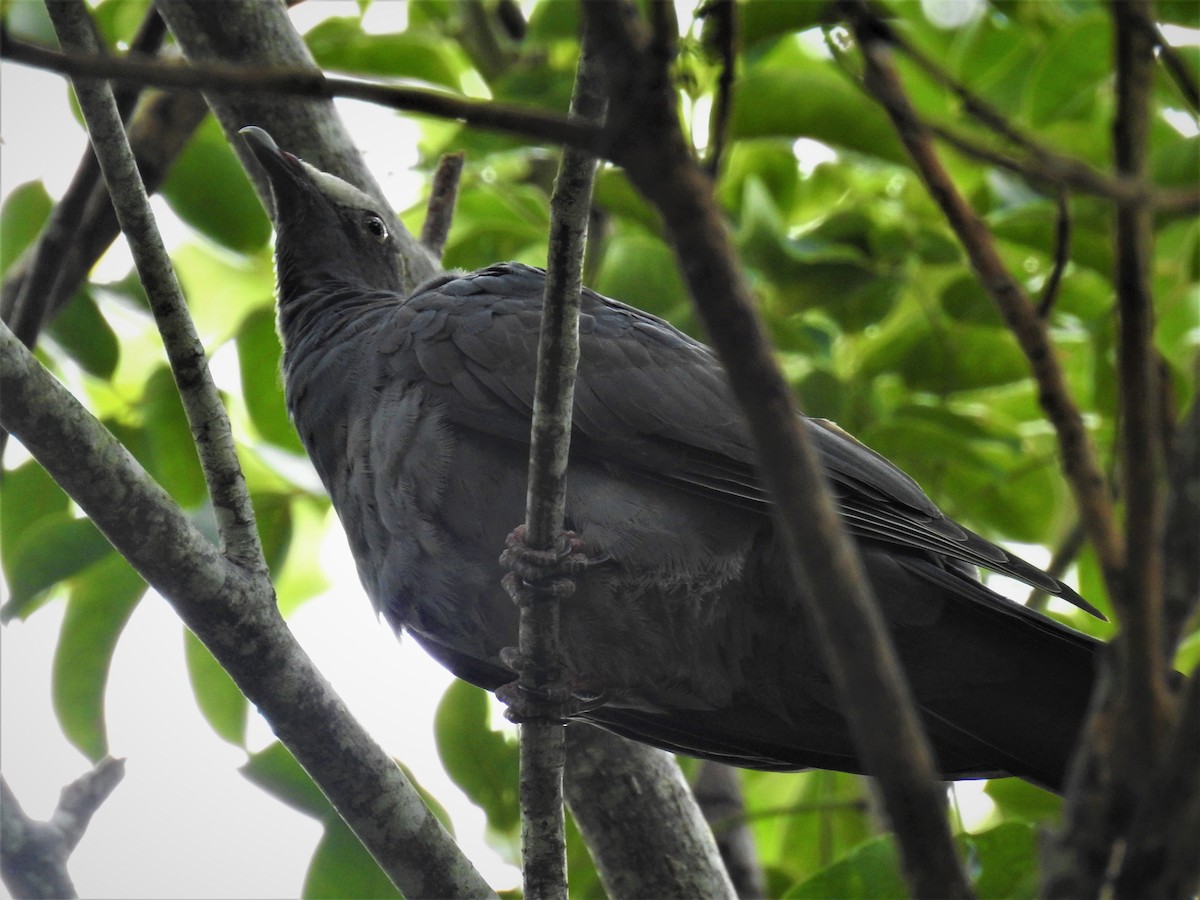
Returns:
(184, 822)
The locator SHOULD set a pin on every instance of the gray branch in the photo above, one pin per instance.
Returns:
(33, 855)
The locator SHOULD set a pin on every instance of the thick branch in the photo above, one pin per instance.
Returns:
(833, 591)
(642, 791)
(236, 617)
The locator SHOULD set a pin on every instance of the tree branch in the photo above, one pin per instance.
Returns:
(640, 790)
(439, 213)
(718, 791)
(310, 83)
(1078, 455)
(543, 838)
(33, 855)
(833, 592)
(235, 615)
(206, 415)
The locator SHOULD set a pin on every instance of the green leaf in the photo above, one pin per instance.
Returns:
(85, 334)
(1003, 861)
(480, 761)
(1020, 800)
(761, 20)
(833, 112)
(965, 300)
(276, 771)
(259, 355)
(342, 867)
(220, 701)
(27, 494)
(1069, 72)
(640, 269)
(119, 20)
(99, 606)
(209, 190)
(172, 454)
(341, 44)
(869, 872)
(54, 548)
(21, 220)
(273, 513)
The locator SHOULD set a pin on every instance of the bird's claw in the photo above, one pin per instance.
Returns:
(556, 701)
(552, 572)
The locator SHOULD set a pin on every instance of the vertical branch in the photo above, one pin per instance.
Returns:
(833, 593)
(206, 416)
(542, 741)
(1141, 645)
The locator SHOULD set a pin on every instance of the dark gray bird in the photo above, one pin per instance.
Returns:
(415, 411)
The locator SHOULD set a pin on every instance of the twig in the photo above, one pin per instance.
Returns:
(543, 838)
(1062, 254)
(833, 596)
(1078, 455)
(443, 193)
(33, 855)
(308, 83)
(201, 401)
(723, 14)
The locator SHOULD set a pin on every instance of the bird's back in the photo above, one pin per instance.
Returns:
(415, 411)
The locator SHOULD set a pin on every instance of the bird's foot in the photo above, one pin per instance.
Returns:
(553, 570)
(554, 700)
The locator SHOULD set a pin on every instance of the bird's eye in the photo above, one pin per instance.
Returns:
(376, 228)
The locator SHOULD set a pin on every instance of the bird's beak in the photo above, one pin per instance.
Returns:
(284, 171)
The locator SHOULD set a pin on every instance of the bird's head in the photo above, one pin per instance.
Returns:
(326, 231)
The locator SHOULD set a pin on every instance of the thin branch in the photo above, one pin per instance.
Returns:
(206, 415)
(1078, 454)
(33, 855)
(543, 838)
(158, 132)
(31, 305)
(1062, 254)
(439, 213)
(235, 615)
(308, 83)
(833, 595)
(724, 16)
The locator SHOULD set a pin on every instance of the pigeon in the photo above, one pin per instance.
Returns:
(683, 631)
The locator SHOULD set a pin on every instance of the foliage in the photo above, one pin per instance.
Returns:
(875, 313)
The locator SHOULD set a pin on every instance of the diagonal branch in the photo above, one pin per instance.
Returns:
(833, 590)
(206, 414)
(234, 613)
(1078, 454)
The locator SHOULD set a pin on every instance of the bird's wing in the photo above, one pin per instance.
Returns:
(652, 399)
